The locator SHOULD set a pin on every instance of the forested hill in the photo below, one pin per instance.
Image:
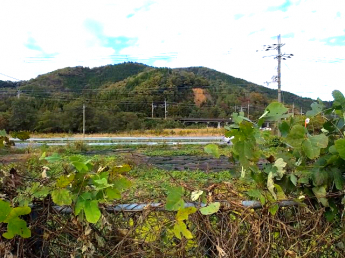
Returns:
(121, 97)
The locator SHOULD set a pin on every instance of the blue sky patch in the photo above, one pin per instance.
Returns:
(238, 16)
(289, 35)
(32, 44)
(284, 7)
(335, 41)
(116, 43)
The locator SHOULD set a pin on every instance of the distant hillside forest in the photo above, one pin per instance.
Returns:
(124, 97)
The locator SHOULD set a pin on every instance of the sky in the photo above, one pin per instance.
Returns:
(229, 36)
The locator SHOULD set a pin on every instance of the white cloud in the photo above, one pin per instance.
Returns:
(221, 34)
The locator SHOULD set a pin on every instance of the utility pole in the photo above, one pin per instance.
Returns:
(279, 67)
(165, 109)
(152, 110)
(83, 120)
(248, 109)
(280, 56)
(18, 93)
(293, 109)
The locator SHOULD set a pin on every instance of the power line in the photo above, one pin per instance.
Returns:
(10, 77)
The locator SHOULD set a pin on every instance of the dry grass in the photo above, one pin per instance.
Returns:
(164, 132)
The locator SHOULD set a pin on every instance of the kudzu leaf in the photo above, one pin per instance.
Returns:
(121, 169)
(316, 108)
(280, 165)
(270, 185)
(212, 149)
(64, 181)
(17, 226)
(338, 178)
(181, 228)
(5, 209)
(293, 179)
(280, 193)
(183, 213)
(80, 166)
(174, 198)
(92, 212)
(320, 193)
(296, 135)
(255, 193)
(79, 206)
(53, 158)
(313, 144)
(3, 133)
(276, 111)
(113, 193)
(244, 150)
(210, 209)
(339, 99)
(16, 212)
(61, 197)
(340, 147)
(196, 194)
(121, 183)
(284, 128)
(273, 209)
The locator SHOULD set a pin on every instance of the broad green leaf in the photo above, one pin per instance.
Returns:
(121, 169)
(196, 194)
(181, 228)
(339, 99)
(121, 183)
(212, 149)
(43, 156)
(270, 185)
(5, 209)
(174, 198)
(53, 158)
(255, 193)
(61, 197)
(92, 212)
(338, 178)
(340, 147)
(80, 166)
(284, 128)
(293, 179)
(280, 193)
(332, 149)
(316, 108)
(17, 226)
(3, 133)
(113, 193)
(183, 213)
(101, 183)
(244, 150)
(280, 165)
(16, 212)
(210, 209)
(237, 118)
(313, 144)
(276, 111)
(320, 193)
(296, 135)
(64, 181)
(320, 176)
(80, 204)
(273, 209)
